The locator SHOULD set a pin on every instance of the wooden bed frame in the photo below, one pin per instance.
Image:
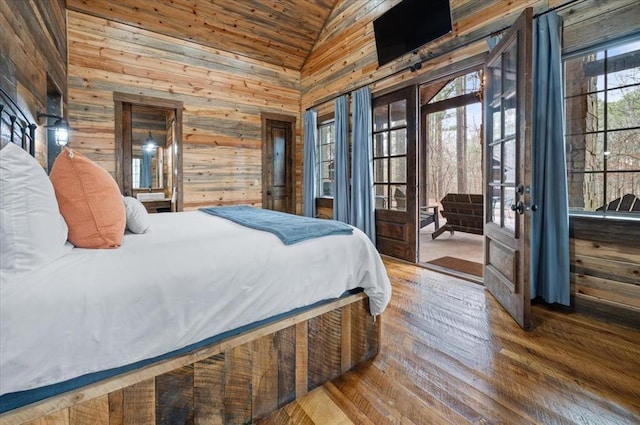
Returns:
(233, 381)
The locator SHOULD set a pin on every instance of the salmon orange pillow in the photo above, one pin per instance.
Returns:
(89, 200)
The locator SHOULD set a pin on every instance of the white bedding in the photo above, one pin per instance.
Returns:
(192, 276)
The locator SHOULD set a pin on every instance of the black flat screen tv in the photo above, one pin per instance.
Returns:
(409, 25)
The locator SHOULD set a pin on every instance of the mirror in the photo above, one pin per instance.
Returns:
(147, 167)
(151, 142)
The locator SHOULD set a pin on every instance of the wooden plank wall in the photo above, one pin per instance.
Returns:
(344, 56)
(33, 45)
(223, 95)
(605, 267)
(241, 383)
(279, 32)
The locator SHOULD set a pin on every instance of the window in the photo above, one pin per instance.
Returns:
(390, 155)
(135, 172)
(602, 101)
(54, 107)
(326, 145)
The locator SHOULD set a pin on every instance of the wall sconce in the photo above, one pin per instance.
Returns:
(61, 128)
(150, 144)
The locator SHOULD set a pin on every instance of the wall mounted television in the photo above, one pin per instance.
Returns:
(409, 25)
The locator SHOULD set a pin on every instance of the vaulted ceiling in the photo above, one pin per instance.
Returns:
(280, 32)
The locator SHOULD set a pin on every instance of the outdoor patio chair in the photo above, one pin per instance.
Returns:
(426, 217)
(430, 215)
(464, 213)
(628, 203)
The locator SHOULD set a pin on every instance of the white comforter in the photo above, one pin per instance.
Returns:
(191, 277)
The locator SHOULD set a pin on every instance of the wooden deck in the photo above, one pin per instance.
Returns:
(450, 355)
(461, 245)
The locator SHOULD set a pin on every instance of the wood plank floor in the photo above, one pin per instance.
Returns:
(451, 355)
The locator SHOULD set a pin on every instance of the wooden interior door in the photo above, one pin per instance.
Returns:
(277, 165)
(395, 172)
(508, 170)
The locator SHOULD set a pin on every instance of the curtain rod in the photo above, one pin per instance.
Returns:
(418, 64)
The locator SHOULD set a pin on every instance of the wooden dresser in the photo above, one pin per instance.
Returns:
(158, 206)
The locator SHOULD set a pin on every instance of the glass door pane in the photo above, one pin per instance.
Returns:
(502, 128)
(390, 154)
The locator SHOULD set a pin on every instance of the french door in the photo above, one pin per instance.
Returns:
(508, 170)
(394, 172)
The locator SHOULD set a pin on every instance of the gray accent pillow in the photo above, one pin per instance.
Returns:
(137, 215)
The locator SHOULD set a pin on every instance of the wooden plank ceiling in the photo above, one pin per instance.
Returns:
(281, 32)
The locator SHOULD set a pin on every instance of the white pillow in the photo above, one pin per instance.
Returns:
(137, 215)
(32, 230)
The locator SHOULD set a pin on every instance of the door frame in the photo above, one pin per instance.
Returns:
(122, 115)
(475, 63)
(290, 147)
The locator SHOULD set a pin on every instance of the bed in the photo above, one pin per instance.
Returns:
(199, 320)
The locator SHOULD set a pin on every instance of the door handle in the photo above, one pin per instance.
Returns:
(519, 207)
(268, 193)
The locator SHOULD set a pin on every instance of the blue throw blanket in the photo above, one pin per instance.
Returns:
(288, 227)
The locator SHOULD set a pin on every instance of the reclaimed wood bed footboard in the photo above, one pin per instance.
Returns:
(233, 381)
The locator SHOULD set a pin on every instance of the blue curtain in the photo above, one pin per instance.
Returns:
(341, 209)
(145, 169)
(310, 163)
(550, 223)
(362, 196)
